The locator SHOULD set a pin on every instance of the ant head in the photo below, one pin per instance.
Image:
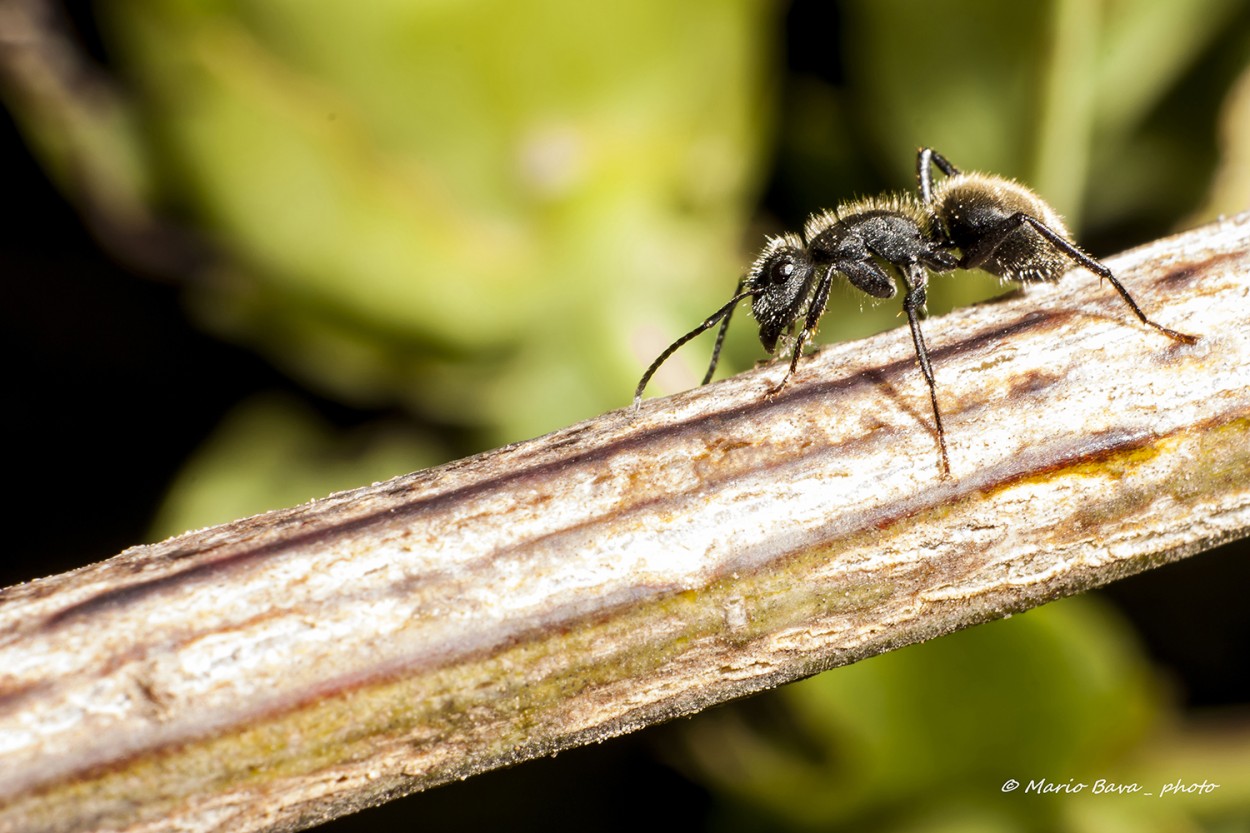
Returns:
(780, 279)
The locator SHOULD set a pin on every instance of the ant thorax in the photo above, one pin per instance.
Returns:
(893, 230)
(875, 219)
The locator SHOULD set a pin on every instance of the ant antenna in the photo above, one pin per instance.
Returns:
(724, 327)
(721, 314)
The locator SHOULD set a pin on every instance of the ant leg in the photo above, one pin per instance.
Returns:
(815, 309)
(722, 313)
(913, 302)
(1082, 259)
(924, 173)
(720, 334)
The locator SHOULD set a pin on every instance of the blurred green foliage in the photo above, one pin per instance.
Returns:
(273, 450)
(491, 215)
(458, 207)
(461, 210)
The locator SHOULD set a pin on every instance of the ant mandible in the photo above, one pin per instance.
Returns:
(995, 224)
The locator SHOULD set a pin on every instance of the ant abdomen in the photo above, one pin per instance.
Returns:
(981, 217)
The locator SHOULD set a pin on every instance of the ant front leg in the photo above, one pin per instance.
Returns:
(815, 309)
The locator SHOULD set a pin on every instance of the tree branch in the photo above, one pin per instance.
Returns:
(281, 670)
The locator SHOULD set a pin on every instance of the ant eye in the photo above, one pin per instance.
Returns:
(780, 271)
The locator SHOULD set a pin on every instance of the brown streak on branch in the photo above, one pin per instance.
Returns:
(284, 669)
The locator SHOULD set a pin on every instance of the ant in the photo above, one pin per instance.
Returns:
(994, 223)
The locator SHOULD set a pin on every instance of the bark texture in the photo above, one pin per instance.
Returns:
(280, 670)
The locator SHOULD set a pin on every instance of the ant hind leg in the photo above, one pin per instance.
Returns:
(1083, 260)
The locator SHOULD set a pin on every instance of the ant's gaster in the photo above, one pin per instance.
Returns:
(995, 224)
(1004, 228)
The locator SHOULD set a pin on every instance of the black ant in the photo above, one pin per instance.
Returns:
(996, 225)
